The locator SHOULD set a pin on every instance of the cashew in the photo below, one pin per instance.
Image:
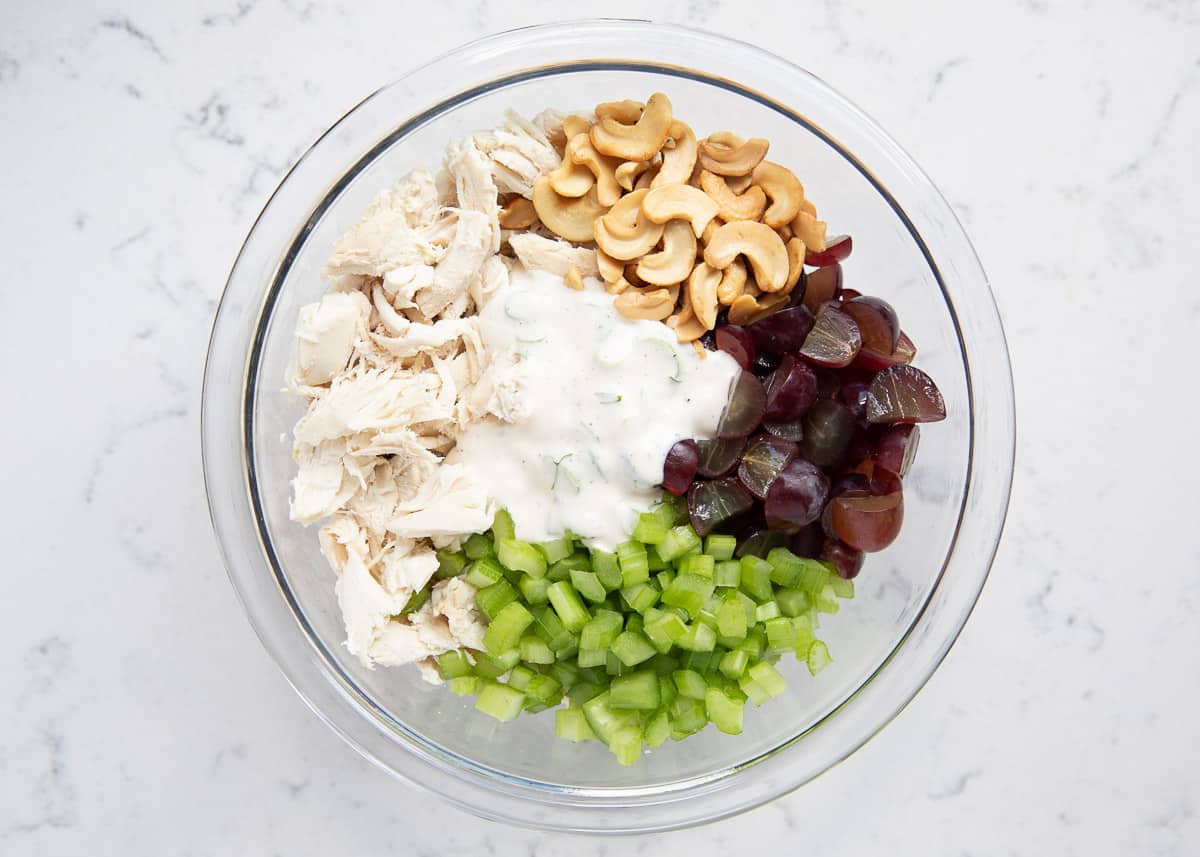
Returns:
(713, 225)
(518, 213)
(571, 180)
(810, 230)
(733, 283)
(680, 201)
(574, 125)
(626, 112)
(739, 184)
(627, 173)
(809, 207)
(655, 304)
(625, 232)
(685, 324)
(795, 254)
(574, 278)
(785, 233)
(572, 219)
(637, 142)
(646, 180)
(616, 288)
(759, 244)
(611, 269)
(782, 188)
(674, 262)
(725, 154)
(702, 291)
(749, 206)
(680, 160)
(747, 310)
(581, 153)
(632, 277)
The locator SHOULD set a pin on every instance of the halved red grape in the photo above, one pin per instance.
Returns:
(737, 343)
(877, 322)
(710, 503)
(836, 249)
(828, 427)
(679, 470)
(849, 295)
(760, 542)
(847, 560)
(791, 391)
(868, 523)
(788, 431)
(717, 457)
(834, 340)
(807, 541)
(764, 364)
(784, 331)
(747, 401)
(883, 481)
(854, 396)
(853, 484)
(896, 446)
(796, 497)
(859, 447)
(904, 394)
(823, 284)
(762, 462)
(873, 360)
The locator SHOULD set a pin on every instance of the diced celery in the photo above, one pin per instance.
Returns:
(720, 547)
(605, 720)
(753, 690)
(723, 711)
(588, 585)
(582, 692)
(544, 689)
(478, 546)
(500, 701)
(502, 526)
(634, 566)
(626, 745)
(557, 550)
(549, 627)
(708, 617)
(701, 662)
(733, 663)
(533, 589)
(805, 632)
(601, 630)
(756, 578)
(634, 622)
(658, 730)
(653, 561)
(792, 602)
(665, 577)
(650, 529)
(766, 611)
(632, 648)
(567, 674)
(785, 566)
(591, 657)
(567, 605)
(492, 599)
(698, 638)
(640, 597)
(688, 716)
(690, 683)
(506, 628)
(521, 556)
(613, 665)
(818, 657)
(769, 678)
(781, 634)
(813, 577)
(667, 691)
(450, 564)
(636, 690)
(558, 571)
(842, 587)
(678, 541)
(520, 677)
(465, 685)
(826, 600)
(663, 629)
(453, 664)
(663, 664)
(698, 564)
(488, 667)
(731, 619)
(755, 642)
(727, 572)
(534, 650)
(689, 592)
(484, 572)
(571, 725)
(416, 601)
(607, 568)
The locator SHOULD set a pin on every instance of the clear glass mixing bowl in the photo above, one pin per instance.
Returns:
(912, 599)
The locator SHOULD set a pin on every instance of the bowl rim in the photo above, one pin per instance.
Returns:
(476, 787)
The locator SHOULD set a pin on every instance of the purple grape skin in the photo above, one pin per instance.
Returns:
(846, 560)
(854, 396)
(783, 332)
(793, 431)
(791, 391)
(797, 496)
(896, 446)
(679, 470)
(853, 482)
(886, 313)
(744, 412)
(764, 458)
(828, 427)
(765, 364)
(759, 542)
(717, 457)
(710, 503)
(834, 341)
(737, 343)
(904, 394)
(807, 541)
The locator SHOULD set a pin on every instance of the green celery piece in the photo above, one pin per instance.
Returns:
(492, 599)
(664, 578)
(607, 568)
(667, 690)
(567, 674)
(549, 627)
(753, 690)
(534, 650)
(756, 578)
(502, 526)
(734, 663)
(663, 664)
(650, 529)
(565, 601)
(785, 566)
(500, 701)
(792, 602)
(767, 677)
(701, 565)
(521, 556)
(465, 685)
(658, 729)
(842, 587)
(605, 720)
(601, 630)
(720, 547)
(805, 632)
(571, 725)
(545, 690)
(557, 550)
(701, 662)
(671, 511)
(632, 647)
(478, 546)
(591, 657)
(826, 600)
(663, 629)
(417, 600)
(520, 677)
(689, 592)
(731, 619)
(698, 638)
(688, 716)
(506, 628)
(818, 657)
(679, 541)
(488, 667)
(813, 577)
(484, 572)
(767, 611)
(635, 567)
(450, 564)
(582, 692)
(655, 562)
(724, 712)
(640, 597)
(626, 745)
(755, 642)
(613, 665)
(727, 573)
(533, 589)
(575, 562)
(588, 585)
(781, 634)
(689, 683)
(637, 690)
(454, 664)
(634, 622)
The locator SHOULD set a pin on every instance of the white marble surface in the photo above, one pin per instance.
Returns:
(140, 715)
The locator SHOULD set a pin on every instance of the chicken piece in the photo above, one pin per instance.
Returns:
(474, 187)
(492, 277)
(455, 599)
(452, 278)
(325, 335)
(520, 153)
(321, 485)
(401, 285)
(366, 605)
(553, 255)
(373, 400)
(450, 503)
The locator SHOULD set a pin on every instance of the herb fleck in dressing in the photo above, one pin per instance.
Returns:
(602, 399)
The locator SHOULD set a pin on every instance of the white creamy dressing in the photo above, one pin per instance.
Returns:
(601, 399)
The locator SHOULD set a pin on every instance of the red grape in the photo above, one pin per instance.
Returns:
(876, 321)
(680, 467)
(759, 542)
(847, 560)
(823, 284)
(710, 503)
(762, 461)
(854, 484)
(737, 343)
(896, 446)
(784, 331)
(717, 457)
(834, 339)
(828, 427)
(791, 391)
(868, 523)
(796, 497)
(904, 394)
(849, 294)
(807, 541)
(854, 396)
(764, 364)
(788, 431)
(744, 412)
(836, 249)
(873, 360)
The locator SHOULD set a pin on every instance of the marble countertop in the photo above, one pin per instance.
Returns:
(140, 714)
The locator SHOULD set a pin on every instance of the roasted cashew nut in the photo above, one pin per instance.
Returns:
(747, 310)
(733, 283)
(574, 125)
(580, 152)
(680, 160)
(611, 269)
(759, 244)
(572, 219)
(571, 180)
(685, 324)
(646, 180)
(518, 213)
(625, 232)
(809, 230)
(640, 141)
(655, 304)
(748, 206)
(702, 291)
(675, 261)
(680, 201)
(626, 112)
(724, 155)
(783, 189)
(627, 173)
(795, 254)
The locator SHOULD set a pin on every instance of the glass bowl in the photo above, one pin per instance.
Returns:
(912, 599)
